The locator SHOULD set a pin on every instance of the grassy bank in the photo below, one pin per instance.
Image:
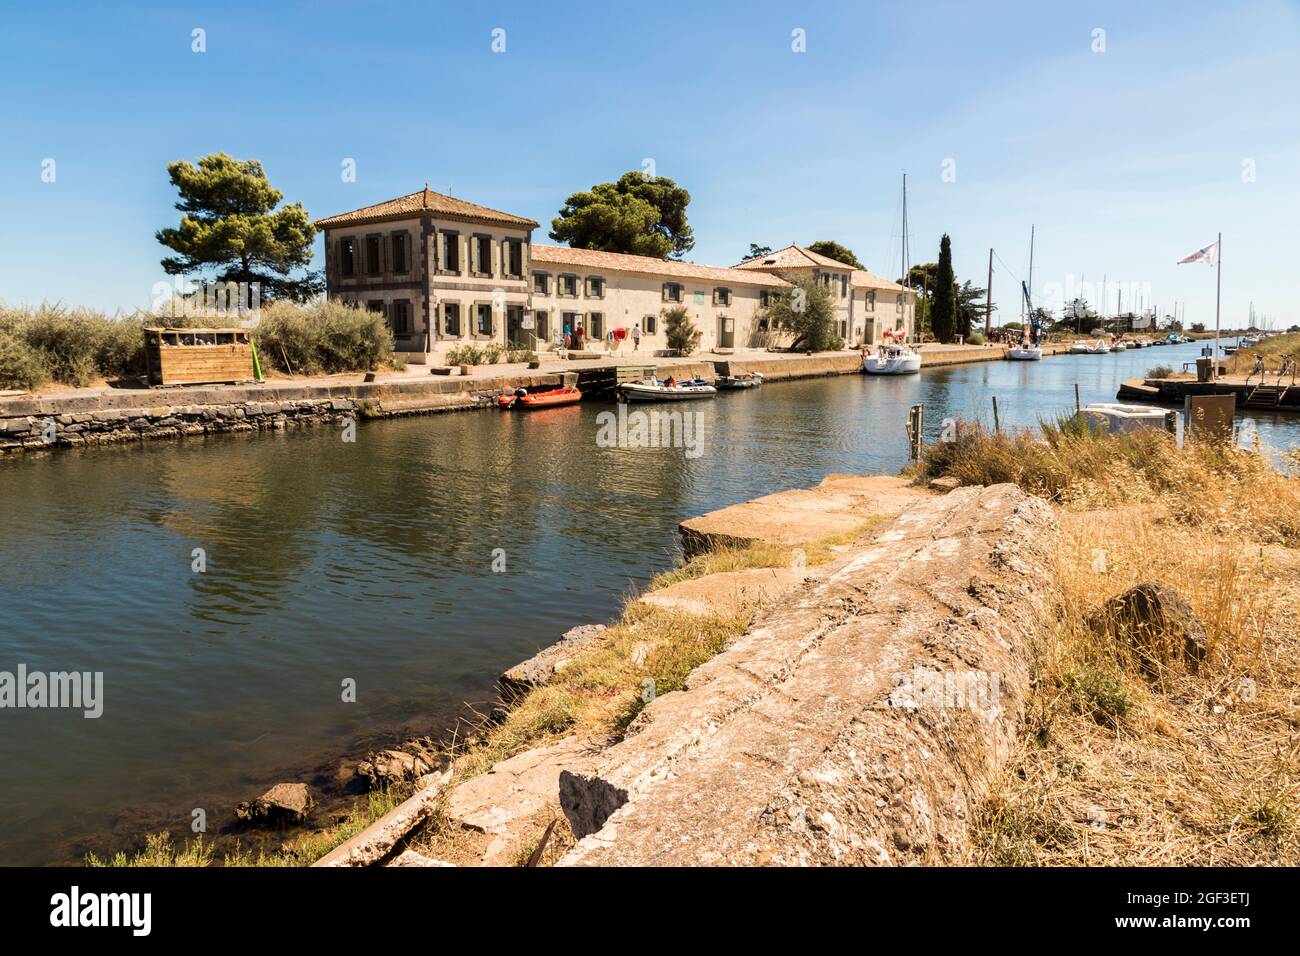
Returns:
(1274, 349)
(1128, 754)
(54, 345)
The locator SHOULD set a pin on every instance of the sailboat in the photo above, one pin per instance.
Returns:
(1028, 351)
(894, 356)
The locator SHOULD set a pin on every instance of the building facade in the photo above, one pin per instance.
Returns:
(445, 272)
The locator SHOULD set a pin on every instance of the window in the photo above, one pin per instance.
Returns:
(650, 324)
(484, 313)
(483, 255)
(595, 325)
(721, 296)
(514, 258)
(871, 301)
(900, 303)
(375, 305)
(699, 298)
(765, 298)
(672, 292)
(542, 320)
(399, 317)
(568, 286)
(374, 265)
(844, 286)
(541, 283)
(400, 260)
(451, 319)
(595, 287)
(348, 256)
(451, 252)
(844, 330)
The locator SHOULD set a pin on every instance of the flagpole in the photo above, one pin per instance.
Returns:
(1218, 292)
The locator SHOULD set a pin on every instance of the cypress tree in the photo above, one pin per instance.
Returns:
(943, 315)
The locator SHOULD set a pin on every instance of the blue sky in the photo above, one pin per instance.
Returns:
(1124, 160)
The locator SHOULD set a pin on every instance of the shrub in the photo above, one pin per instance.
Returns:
(1160, 371)
(679, 329)
(20, 366)
(322, 337)
(975, 338)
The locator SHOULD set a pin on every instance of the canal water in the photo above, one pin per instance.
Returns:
(417, 562)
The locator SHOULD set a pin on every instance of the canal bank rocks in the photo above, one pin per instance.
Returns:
(858, 722)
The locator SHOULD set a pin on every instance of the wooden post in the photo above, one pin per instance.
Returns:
(988, 302)
(997, 421)
(1077, 406)
(915, 431)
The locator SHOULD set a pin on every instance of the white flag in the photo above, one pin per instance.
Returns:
(1205, 255)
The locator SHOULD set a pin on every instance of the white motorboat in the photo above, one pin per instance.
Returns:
(671, 390)
(1024, 353)
(1080, 348)
(1099, 348)
(892, 360)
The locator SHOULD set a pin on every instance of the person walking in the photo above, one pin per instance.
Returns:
(636, 337)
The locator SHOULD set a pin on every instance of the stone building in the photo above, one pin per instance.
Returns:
(445, 272)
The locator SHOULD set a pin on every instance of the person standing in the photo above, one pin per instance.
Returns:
(636, 337)
(577, 337)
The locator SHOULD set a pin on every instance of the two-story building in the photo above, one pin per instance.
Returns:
(445, 272)
(865, 304)
(442, 270)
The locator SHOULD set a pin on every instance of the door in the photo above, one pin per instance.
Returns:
(726, 332)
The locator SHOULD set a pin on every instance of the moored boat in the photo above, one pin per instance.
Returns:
(1080, 348)
(522, 398)
(1024, 353)
(669, 390)
(739, 381)
(892, 360)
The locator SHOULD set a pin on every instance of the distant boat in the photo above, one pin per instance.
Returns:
(1080, 348)
(892, 360)
(1024, 353)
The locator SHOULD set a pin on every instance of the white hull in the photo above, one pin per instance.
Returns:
(905, 364)
(1025, 355)
(641, 392)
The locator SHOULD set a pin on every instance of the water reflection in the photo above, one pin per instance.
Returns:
(373, 561)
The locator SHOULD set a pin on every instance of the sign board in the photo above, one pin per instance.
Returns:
(1210, 416)
(526, 322)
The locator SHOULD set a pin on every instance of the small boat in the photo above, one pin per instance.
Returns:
(743, 380)
(892, 360)
(522, 398)
(1080, 348)
(1024, 353)
(669, 390)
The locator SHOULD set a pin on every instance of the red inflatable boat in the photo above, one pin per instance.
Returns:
(556, 396)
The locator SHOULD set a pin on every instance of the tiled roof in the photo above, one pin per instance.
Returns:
(862, 279)
(425, 201)
(792, 257)
(647, 265)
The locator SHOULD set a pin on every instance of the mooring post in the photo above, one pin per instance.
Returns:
(915, 431)
(997, 421)
(1077, 406)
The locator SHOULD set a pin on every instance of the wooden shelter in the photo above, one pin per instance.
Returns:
(198, 356)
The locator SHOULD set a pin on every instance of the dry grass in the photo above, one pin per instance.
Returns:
(601, 690)
(1273, 349)
(1129, 760)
